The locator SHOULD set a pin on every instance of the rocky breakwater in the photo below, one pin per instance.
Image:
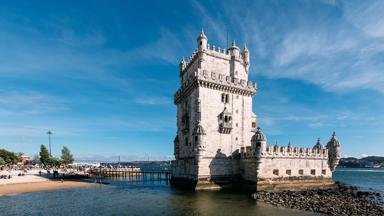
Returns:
(341, 200)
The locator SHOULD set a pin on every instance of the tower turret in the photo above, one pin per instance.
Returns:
(199, 134)
(202, 41)
(246, 58)
(334, 153)
(318, 145)
(234, 50)
(259, 141)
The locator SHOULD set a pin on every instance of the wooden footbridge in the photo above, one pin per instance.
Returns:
(132, 175)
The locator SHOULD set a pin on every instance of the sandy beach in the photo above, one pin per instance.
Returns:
(33, 182)
(42, 186)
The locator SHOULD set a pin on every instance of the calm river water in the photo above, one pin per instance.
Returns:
(122, 198)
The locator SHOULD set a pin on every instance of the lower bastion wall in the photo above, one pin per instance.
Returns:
(286, 167)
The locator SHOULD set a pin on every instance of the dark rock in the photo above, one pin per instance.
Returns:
(343, 200)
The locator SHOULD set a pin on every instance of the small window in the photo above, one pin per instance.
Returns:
(201, 42)
(288, 172)
(237, 125)
(258, 145)
(301, 172)
(253, 124)
(313, 172)
(225, 98)
(237, 111)
(324, 172)
(236, 138)
(186, 141)
(276, 172)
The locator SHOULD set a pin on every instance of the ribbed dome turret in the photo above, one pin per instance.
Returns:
(259, 136)
(202, 36)
(234, 46)
(333, 142)
(318, 145)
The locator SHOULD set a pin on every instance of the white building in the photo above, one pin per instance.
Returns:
(217, 142)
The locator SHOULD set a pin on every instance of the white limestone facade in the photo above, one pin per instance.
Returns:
(217, 142)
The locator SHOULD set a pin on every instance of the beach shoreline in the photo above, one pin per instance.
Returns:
(36, 181)
(27, 187)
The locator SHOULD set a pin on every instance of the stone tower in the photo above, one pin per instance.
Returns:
(334, 154)
(214, 115)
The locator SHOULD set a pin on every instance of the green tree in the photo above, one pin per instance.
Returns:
(54, 161)
(44, 155)
(9, 157)
(66, 156)
(2, 161)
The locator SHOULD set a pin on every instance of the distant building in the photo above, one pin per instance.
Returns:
(218, 142)
(24, 160)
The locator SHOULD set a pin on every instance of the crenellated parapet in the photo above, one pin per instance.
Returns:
(284, 152)
(288, 151)
(217, 52)
(189, 62)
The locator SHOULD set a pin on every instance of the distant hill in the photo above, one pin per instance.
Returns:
(366, 162)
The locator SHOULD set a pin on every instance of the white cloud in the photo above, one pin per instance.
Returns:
(366, 15)
(31, 102)
(337, 47)
(215, 25)
(74, 56)
(153, 100)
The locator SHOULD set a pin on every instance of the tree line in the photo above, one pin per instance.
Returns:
(43, 158)
(47, 160)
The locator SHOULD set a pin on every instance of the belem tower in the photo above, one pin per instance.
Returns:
(219, 142)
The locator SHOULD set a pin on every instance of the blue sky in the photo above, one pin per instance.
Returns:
(101, 74)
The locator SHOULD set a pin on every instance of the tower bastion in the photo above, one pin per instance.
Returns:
(218, 143)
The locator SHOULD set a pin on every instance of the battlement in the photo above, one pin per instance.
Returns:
(191, 58)
(284, 152)
(213, 51)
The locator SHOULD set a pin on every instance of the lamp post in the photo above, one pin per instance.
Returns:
(49, 135)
